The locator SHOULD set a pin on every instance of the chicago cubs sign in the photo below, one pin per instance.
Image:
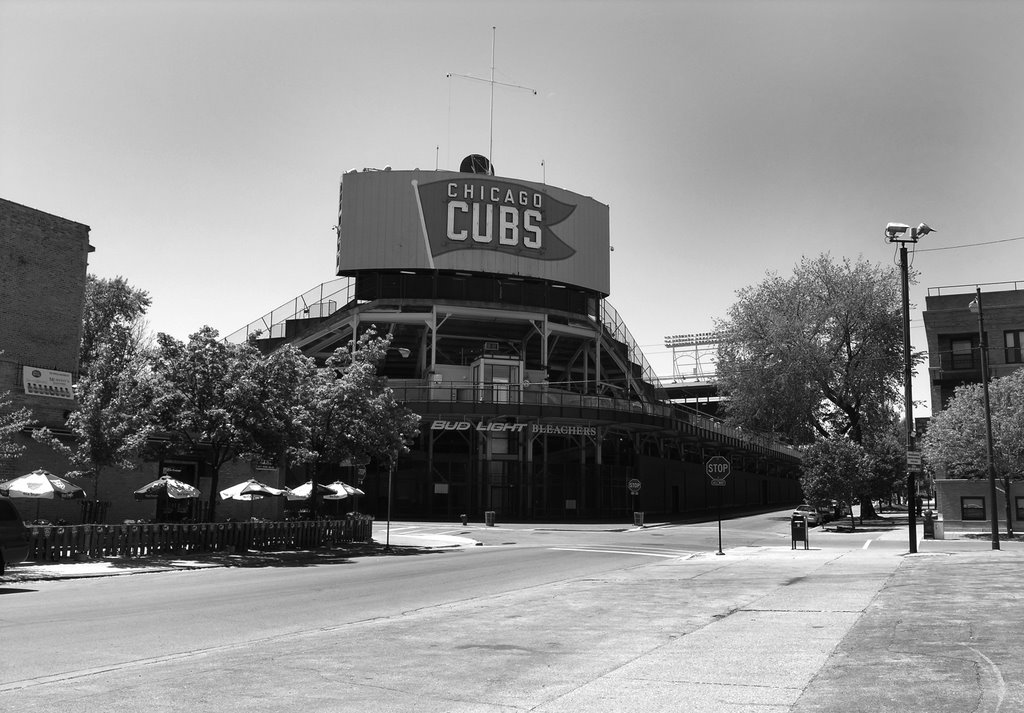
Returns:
(442, 220)
(487, 214)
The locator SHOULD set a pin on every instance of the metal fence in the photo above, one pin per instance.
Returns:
(50, 543)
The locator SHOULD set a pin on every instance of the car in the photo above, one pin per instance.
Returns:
(13, 535)
(809, 513)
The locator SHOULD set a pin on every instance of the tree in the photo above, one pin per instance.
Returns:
(210, 400)
(113, 315)
(352, 412)
(112, 420)
(956, 441)
(816, 355)
(835, 469)
(12, 421)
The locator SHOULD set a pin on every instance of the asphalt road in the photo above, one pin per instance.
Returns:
(537, 619)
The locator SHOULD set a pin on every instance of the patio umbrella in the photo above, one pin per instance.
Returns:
(341, 487)
(302, 492)
(251, 489)
(41, 484)
(169, 486)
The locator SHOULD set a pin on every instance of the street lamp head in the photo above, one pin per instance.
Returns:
(894, 229)
(903, 233)
(403, 352)
(973, 306)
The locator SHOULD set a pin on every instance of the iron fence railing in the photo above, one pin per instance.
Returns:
(49, 543)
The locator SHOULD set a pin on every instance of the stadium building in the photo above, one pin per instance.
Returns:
(536, 402)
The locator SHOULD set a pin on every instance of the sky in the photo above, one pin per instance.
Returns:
(203, 140)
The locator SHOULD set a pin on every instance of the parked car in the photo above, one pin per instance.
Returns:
(13, 535)
(809, 513)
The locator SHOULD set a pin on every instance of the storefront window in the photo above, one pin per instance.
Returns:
(972, 508)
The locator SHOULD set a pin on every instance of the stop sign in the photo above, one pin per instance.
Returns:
(634, 486)
(718, 467)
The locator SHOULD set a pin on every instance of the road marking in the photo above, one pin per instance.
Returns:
(619, 552)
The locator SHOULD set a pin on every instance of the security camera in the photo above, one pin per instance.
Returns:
(894, 229)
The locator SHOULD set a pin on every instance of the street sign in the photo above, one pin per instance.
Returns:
(718, 481)
(913, 457)
(718, 468)
(634, 486)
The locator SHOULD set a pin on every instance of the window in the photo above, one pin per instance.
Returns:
(1013, 346)
(1020, 507)
(972, 508)
(962, 353)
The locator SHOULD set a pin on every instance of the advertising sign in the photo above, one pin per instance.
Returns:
(408, 220)
(46, 382)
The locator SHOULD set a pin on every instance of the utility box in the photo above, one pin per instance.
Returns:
(489, 518)
(798, 531)
(638, 518)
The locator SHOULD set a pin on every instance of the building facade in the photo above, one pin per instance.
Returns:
(954, 358)
(536, 401)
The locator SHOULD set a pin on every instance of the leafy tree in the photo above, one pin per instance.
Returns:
(12, 420)
(816, 355)
(211, 400)
(112, 420)
(114, 312)
(835, 469)
(353, 414)
(956, 441)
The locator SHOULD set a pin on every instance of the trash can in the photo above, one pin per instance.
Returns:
(929, 525)
(489, 518)
(638, 519)
(798, 530)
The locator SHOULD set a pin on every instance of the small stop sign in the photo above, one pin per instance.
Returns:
(718, 467)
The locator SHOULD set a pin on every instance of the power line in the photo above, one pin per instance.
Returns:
(968, 245)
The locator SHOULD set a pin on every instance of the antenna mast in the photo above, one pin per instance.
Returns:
(492, 82)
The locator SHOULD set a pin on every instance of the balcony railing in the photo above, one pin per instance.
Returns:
(321, 301)
(451, 396)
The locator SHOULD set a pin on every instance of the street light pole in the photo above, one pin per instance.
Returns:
(903, 234)
(391, 473)
(975, 307)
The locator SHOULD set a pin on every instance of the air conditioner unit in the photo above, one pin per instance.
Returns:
(436, 378)
(491, 346)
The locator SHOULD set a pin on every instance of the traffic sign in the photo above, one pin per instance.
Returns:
(718, 481)
(913, 457)
(634, 486)
(718, 468)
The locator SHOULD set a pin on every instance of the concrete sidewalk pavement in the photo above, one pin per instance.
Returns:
(759, 630)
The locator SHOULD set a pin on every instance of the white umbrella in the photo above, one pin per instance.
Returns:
(302, 492)
(41, 485)
(174, 489)
(341, 487)
(251, 489)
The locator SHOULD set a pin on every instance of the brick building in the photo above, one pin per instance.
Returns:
(43, 264)
(954, 359)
